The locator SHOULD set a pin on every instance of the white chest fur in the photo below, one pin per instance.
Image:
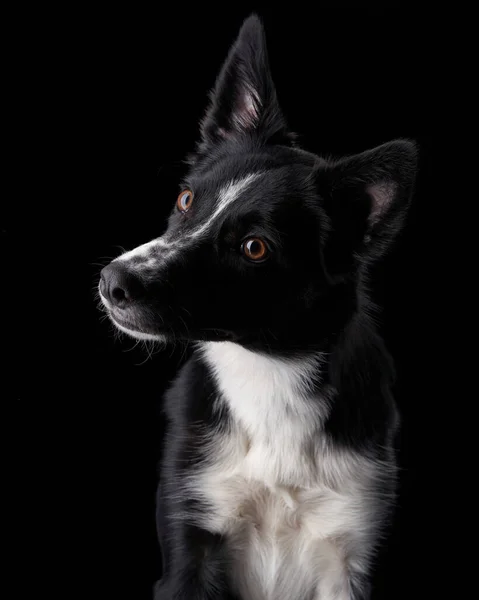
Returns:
(284, 500)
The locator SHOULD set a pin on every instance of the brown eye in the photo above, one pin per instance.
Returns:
(255, 249)
(185, 199)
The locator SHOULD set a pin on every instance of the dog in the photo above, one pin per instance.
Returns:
(279, 476)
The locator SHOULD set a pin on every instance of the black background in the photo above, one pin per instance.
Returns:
(118, 96)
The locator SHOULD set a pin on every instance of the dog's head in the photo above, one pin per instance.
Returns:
(266, 243)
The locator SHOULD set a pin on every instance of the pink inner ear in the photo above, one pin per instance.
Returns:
(222, 132)
(247, 108)
(382, 195)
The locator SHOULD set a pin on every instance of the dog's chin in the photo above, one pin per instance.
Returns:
(138, 334)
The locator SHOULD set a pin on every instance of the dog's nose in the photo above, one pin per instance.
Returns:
(119, 285)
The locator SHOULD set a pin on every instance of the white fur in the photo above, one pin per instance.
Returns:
(294, 512)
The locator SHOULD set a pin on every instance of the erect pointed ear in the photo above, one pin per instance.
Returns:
(366, 197)
(244, 97)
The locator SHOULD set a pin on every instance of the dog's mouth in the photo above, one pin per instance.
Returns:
(129, 326)
(135, 326)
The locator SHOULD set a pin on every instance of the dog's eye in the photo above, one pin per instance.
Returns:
(185, 199)
(255, 249)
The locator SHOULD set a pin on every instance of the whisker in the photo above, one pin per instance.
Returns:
(186, 311)
(185, 348)
(185, 324)
(107, 258)
(148, 355)
(133, 347)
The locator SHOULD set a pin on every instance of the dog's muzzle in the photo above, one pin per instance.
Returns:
(122, 292)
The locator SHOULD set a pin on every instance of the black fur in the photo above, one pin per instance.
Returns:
(326, 222)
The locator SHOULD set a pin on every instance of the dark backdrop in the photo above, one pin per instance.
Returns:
(130, 85)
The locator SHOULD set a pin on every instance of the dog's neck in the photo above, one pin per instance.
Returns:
(263, 391)
(276, 410)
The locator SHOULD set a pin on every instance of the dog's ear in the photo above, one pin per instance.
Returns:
(366, 197)
(244, 97)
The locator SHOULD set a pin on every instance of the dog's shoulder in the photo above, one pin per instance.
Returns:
(191, 398)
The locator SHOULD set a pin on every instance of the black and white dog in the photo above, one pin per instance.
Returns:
(279, 473)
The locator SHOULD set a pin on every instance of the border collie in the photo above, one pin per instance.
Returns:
(279, 473)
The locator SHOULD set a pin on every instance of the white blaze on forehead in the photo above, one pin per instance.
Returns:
(143, 250)
(227, 195)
